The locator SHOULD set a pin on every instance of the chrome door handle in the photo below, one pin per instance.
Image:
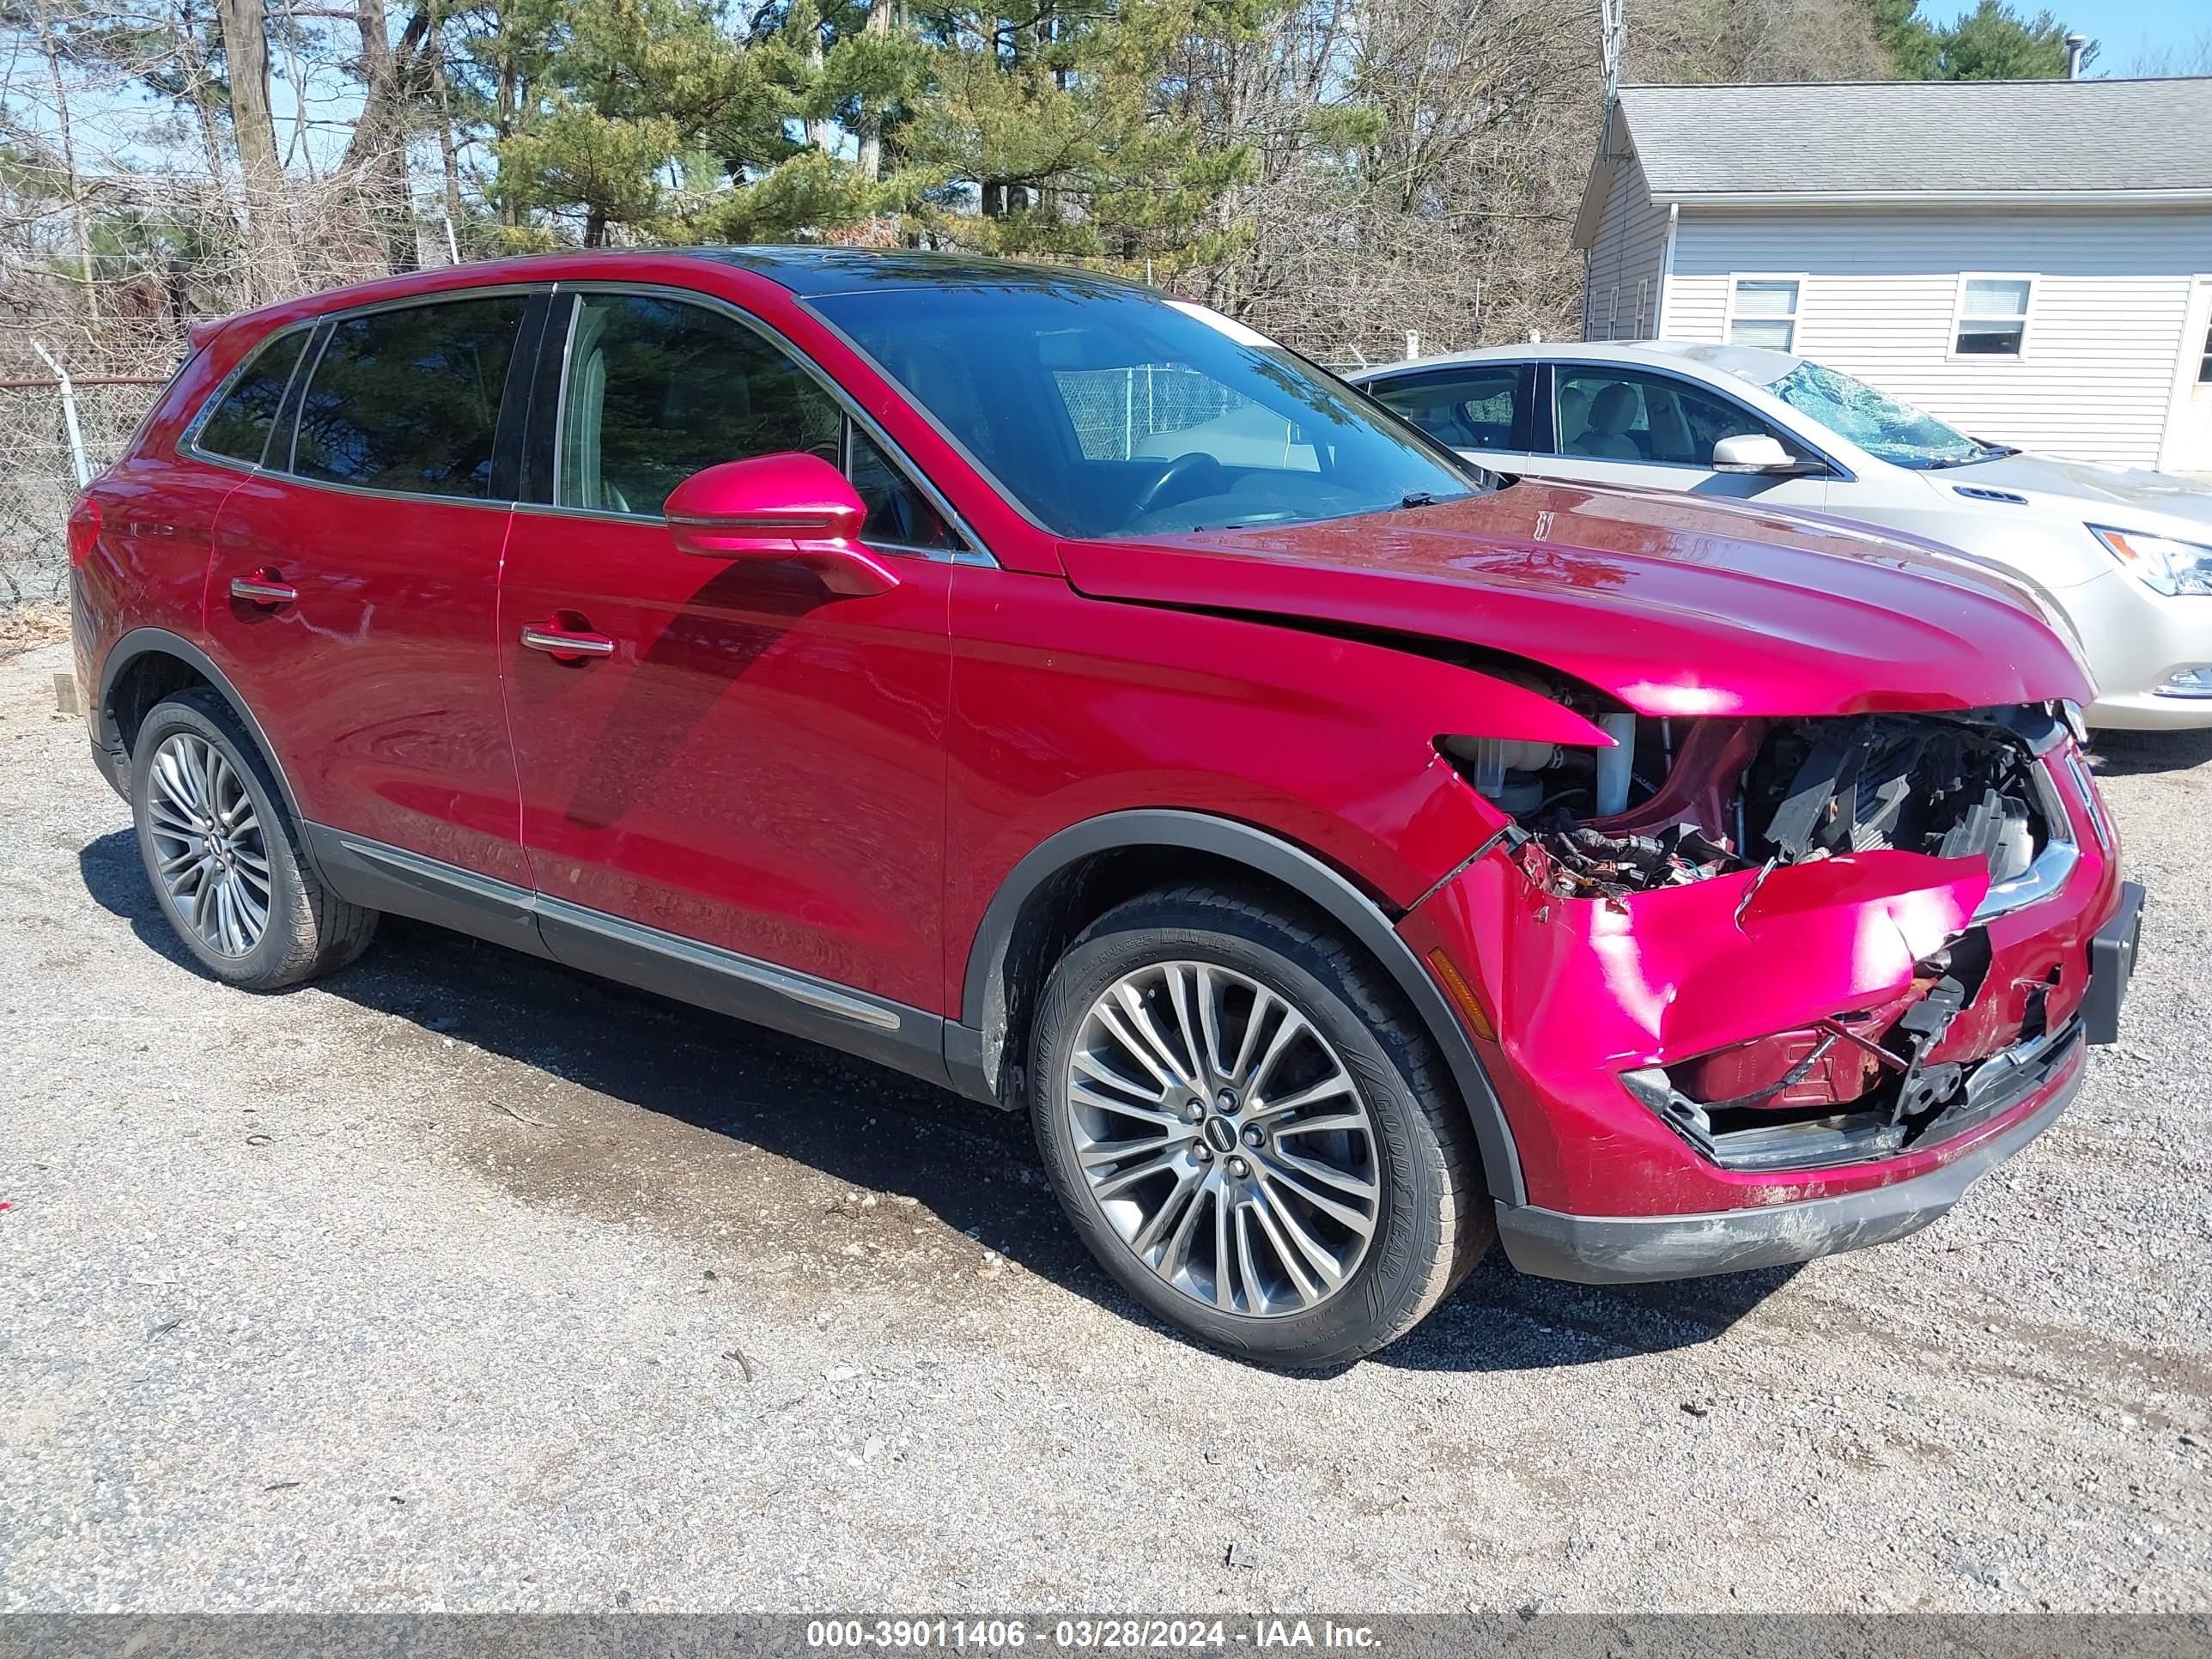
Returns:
(560, 642)
(256, 589)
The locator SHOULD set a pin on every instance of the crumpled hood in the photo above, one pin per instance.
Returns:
(2147, 496)
(1676, 606)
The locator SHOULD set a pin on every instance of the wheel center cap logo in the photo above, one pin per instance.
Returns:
(1220, 1134)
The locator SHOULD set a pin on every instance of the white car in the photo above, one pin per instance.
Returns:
(2125, 557)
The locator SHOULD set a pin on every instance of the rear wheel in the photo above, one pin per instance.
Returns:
(223, 855)
(1250, 1131)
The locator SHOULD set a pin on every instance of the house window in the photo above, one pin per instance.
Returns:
(1992, 319)
(1643, 307)
(2204, 363)
(1763, 312)
(1613, 313)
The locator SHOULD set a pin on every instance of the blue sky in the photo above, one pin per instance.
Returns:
(2127, 29)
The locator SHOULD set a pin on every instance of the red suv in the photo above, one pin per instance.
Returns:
(1061, 693)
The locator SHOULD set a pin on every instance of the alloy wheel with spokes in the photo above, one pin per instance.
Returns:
(208, 851)
(1224, 1139)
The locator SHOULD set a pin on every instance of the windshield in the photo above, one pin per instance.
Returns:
(1878, 423)
(1108, 411)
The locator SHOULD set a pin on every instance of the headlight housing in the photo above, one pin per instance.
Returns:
(2159, 562)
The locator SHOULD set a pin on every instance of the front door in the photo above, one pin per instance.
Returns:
(717, 752)
(2188, 445)
(1613, 424)
(355, 582)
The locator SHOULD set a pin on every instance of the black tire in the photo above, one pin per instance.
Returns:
(310, 931)
(1432, 1219)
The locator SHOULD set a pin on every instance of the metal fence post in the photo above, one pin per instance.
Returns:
(69, 414)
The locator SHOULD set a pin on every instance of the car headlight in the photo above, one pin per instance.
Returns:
(2159, 562)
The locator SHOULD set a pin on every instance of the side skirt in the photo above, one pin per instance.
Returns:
(407, 883)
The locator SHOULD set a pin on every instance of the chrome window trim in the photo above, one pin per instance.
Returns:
(977, 551)
(364, 490)
(1838, 471)
(561, 407)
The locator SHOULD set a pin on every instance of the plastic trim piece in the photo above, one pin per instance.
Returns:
(408, 884)
(1594, 1249)
(1256, 850)
(138, 643)
(368, 872)
(2111, 964)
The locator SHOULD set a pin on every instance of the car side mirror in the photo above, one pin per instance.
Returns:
(1755, 451)
(792, 506)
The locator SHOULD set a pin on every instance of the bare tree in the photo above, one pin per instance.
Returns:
(50, 46)
(871, 126)
(246, 54)
(2192, 57)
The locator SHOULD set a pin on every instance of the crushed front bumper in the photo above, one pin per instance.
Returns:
(1569, 998)
(1597, 1249)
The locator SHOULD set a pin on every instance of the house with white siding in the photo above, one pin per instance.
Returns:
(2031, 260)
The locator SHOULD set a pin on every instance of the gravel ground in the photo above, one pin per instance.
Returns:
(464, 1282)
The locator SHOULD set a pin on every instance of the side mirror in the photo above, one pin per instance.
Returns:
(1755, 451)
(790, 507)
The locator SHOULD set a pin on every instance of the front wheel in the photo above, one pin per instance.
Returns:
(1249, 1130)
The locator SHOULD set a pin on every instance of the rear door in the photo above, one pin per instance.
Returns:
(1484, 410)
(354, 584)
(737, 758)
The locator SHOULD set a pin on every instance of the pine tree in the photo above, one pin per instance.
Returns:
(1990, 43)
(1050, 120)
(1994, 43)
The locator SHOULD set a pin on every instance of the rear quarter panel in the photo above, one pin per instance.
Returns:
(148, 566)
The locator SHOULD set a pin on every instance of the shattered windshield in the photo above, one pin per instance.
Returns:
(1886, 428)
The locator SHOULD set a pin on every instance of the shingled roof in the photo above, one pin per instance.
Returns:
(1936, 142)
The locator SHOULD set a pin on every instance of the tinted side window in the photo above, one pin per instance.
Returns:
(1619, 415)
(1474, 411)
(658, 390)
(238, 428)
(407, 399)
(898, 512)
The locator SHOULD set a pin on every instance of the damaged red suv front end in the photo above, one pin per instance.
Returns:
(1793, 1002)
(1814, 920)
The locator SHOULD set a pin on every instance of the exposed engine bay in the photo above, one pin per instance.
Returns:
(1948, 1041)
(1683, 801)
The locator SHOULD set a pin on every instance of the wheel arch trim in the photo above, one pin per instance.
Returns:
(146, 641)
(1264, 854)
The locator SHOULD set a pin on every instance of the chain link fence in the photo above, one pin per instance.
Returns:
(1114, 410)
(39, 470)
